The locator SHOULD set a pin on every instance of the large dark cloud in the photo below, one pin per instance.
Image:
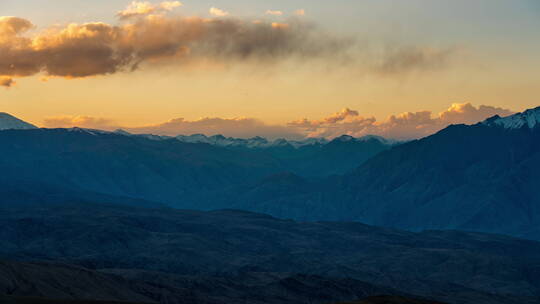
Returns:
(148, 36)
(80, 50)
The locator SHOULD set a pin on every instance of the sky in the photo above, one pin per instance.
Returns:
(290, 68)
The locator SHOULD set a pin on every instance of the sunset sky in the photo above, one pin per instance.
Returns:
(288, 68)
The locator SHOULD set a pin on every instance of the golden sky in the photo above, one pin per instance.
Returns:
(272, 63)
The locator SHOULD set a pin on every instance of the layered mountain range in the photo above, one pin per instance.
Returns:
(481, 177)
(90, 214)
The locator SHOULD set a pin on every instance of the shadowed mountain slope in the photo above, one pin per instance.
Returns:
(229, 248)
(483, 177)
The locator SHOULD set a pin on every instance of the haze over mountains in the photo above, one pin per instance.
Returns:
(78, 201)
(480, 177)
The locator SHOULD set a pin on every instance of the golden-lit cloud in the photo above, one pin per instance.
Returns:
(214, 11)
(468, 114)
(401, 126)
(279, 25)
(274, 13)
(6, 82)
(82, 50)
(236, 127)
(12, 26)
(140, 8)
(300, 12)
(147, 38)
(79, 121)
(406, 125)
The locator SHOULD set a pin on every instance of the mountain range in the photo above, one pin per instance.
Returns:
(97, 215)
(483, 177)
(9, 122)
(480, 177)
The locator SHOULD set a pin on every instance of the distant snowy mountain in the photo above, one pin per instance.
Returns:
(8, 122)
(260, 142)
(529, 118)
(483, 177)
(254, 142)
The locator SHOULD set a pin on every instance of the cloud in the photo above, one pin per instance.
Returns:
(279, 25)
(90, 49)
(235, 127)
(6, 82)
(87, 122)
(274, 13)
(218, 12)
(139, 8)
(403, 59)
(11, 26)
(406, 125)
(300, 12)
(148, 39)
(468, 114)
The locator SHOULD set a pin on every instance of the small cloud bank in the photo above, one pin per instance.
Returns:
(87, 122)
(274, 13)
(235, 127)
(139, 8)
(218, 12)
(408, 125)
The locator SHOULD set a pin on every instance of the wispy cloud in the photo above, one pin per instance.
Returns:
(300, 12)
(399, 59)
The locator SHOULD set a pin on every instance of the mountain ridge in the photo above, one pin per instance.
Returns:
(9, 122)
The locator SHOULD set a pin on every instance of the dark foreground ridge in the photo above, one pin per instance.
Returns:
(392, 300)
(114, 252)
(34, 300)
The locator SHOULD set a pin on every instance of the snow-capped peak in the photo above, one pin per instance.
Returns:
(530, 118)
(11, 122)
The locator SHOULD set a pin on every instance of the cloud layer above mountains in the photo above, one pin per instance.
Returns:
(146, 34)
(406, 125)
(401, 126)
